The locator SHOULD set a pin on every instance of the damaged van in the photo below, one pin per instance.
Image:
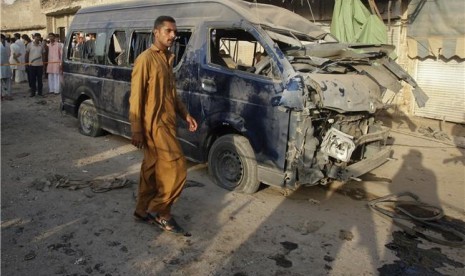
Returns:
(278, 100)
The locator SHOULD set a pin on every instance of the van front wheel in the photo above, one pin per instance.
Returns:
(89, 124)
(232, 164)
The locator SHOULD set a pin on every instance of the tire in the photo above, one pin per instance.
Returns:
(231, 162)
(89, 123)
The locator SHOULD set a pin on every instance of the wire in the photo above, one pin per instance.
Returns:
(311, 11)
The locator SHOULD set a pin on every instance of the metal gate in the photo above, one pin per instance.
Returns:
(444, 83)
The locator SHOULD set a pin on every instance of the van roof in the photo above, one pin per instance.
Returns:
(191, 12)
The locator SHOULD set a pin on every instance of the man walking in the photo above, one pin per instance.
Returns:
(54, 64)
(35, 57)
(153, 108)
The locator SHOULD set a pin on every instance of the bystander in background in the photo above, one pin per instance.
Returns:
(35, 58)
(17, 57)
(54, 64)
(5, 70)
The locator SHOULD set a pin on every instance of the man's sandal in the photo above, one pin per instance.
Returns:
(171, 226)
(148, 218)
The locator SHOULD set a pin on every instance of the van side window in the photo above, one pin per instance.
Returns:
(117, 49)
(140, 41)
(180, 45)
(237, 49)
(87, 47)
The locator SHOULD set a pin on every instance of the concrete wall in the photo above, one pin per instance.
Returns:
(23, 16)
(43, 16)
(60, 13)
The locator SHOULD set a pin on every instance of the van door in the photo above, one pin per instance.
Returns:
(238, 80)
(184, 77)
(117, 84)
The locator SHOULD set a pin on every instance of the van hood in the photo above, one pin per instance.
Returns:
(345, 93)
(346, 77)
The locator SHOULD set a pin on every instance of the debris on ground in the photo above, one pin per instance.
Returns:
(314, 201)
(22, 155)
(345, 235)
(432, 133)
(41, 102)
(96, 185)
(309, 226)
(80, 261)
(30, 256)
(420, 219)
(41, 184)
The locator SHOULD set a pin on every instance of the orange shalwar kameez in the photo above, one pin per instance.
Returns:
(153, 108)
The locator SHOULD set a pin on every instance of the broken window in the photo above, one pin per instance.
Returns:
(140, 41)
(289, 42)
(237, 49)
(180, 45)
(117, 49)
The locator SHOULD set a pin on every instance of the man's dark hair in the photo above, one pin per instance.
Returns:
(3, 36)
(26, 37)
(161, 19)
(52, 34)
(17, 35)
(36, 35)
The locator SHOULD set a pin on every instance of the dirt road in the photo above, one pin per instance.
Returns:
(79, 229)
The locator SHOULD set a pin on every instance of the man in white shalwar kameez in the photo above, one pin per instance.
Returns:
(18, 54)
(5, 71)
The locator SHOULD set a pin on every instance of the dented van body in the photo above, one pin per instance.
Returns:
(278, 100)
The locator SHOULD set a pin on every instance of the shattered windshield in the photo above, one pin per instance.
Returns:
(288, 40)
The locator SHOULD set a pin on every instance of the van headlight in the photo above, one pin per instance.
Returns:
(337, 144)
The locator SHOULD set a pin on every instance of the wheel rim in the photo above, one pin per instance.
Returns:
(230, 168)
(87, 121)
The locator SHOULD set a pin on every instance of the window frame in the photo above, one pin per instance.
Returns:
(124, 47)
(131, 52)
(71, 50)
(209, 63)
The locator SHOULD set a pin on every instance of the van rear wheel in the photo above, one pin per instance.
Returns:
(232, 164)
(89, 123)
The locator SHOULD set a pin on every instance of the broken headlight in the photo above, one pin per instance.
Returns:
(337, 144)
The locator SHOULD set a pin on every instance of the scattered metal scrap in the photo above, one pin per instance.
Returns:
(432, 133)
(96, 185)
(419, 219)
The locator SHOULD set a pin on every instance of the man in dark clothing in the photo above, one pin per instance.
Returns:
(35, 57)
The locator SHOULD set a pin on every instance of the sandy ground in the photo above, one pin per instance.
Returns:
(49, 230)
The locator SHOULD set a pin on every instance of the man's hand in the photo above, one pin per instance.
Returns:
(138, 140)
(192, 123)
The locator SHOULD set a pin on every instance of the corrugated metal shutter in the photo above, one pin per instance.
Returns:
(444, 83)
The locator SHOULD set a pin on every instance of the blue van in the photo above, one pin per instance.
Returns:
(279, 101)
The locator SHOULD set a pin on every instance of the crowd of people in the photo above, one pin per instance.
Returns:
(31, 59)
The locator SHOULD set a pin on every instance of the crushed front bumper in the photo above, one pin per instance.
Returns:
(366, 165)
